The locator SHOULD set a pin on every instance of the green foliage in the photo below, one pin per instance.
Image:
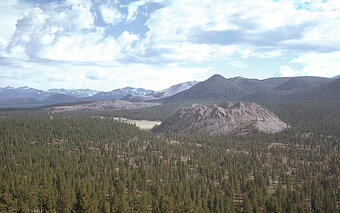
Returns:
(78, 163)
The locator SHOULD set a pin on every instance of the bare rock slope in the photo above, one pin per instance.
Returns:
(227, 118)
(103, 106)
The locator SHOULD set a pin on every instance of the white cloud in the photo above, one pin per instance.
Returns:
(287, 71)
(110, 14)
(189, 52)
(40, 29)
(174, 28)
(181, 32)
(126, 41)
(110, 75)
(83, 48)
(264, 28)
(314, 64)
(324, 64)
(10, 12)
(133, 9)
(64, 32)
(127, 38)
(134, 6)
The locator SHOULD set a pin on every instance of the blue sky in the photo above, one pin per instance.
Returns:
(108, 44)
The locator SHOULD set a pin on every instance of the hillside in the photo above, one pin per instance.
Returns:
(176, 89)
(213, 89)
(329, 92)
(107, 105)
(302, 83)
(227, 118)
(218, 89)
(60, 98)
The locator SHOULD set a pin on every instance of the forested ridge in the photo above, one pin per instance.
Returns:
(79, 163)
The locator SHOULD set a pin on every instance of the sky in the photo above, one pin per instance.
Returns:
(153, 44)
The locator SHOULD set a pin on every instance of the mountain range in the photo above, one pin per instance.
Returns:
(121, 93)
(80, 93)
(29, 97)
(161, 94)
(215, 89)
(22, 92)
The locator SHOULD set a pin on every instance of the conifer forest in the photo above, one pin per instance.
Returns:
(66, 162)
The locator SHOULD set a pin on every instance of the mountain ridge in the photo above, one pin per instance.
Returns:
(218, 89)
(80, 93)
(121, 93)
(215, 89)
(226, 118)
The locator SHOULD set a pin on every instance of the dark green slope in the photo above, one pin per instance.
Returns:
(61, 98)
(32, 103)
(297, 94)
(326, 93)
(302, 83)
(19, 102)
(252, 85)
(214, 89)
(275, 82)
(217, 89)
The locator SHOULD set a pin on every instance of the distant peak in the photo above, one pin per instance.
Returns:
(238, 77)
(8, 87)
(24, 87)
(216, 77)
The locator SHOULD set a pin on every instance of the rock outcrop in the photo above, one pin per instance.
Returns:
(227, 118)
(109, 105)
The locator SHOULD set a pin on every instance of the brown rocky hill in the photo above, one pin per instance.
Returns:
(108, 105)
(227, 118)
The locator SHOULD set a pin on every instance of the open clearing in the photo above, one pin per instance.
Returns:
(142, 124)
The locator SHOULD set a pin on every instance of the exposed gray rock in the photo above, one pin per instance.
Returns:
(227, 118)
(104, 106)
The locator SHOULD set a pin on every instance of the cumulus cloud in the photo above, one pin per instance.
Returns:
(67, 32)
(110, 14)
(267, 28)
(10, 12)
(316, 64)
(127, 41)
(83, 48)
(251, 28)
(40, 29)
(110, 33)
(134, 7)
(104, 76)
(287, 71)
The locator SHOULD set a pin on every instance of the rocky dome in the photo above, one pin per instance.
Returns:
(227, 118)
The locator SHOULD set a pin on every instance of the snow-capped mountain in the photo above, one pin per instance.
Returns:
(80, 93)
(140, 94)
(161, 94)
(8, 93)
(121, 93)
(22, 92)
(25, 96)
(177, 88)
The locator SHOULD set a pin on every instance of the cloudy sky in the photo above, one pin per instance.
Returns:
(107, 44)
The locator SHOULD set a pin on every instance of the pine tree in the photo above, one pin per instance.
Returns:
(84, 201)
